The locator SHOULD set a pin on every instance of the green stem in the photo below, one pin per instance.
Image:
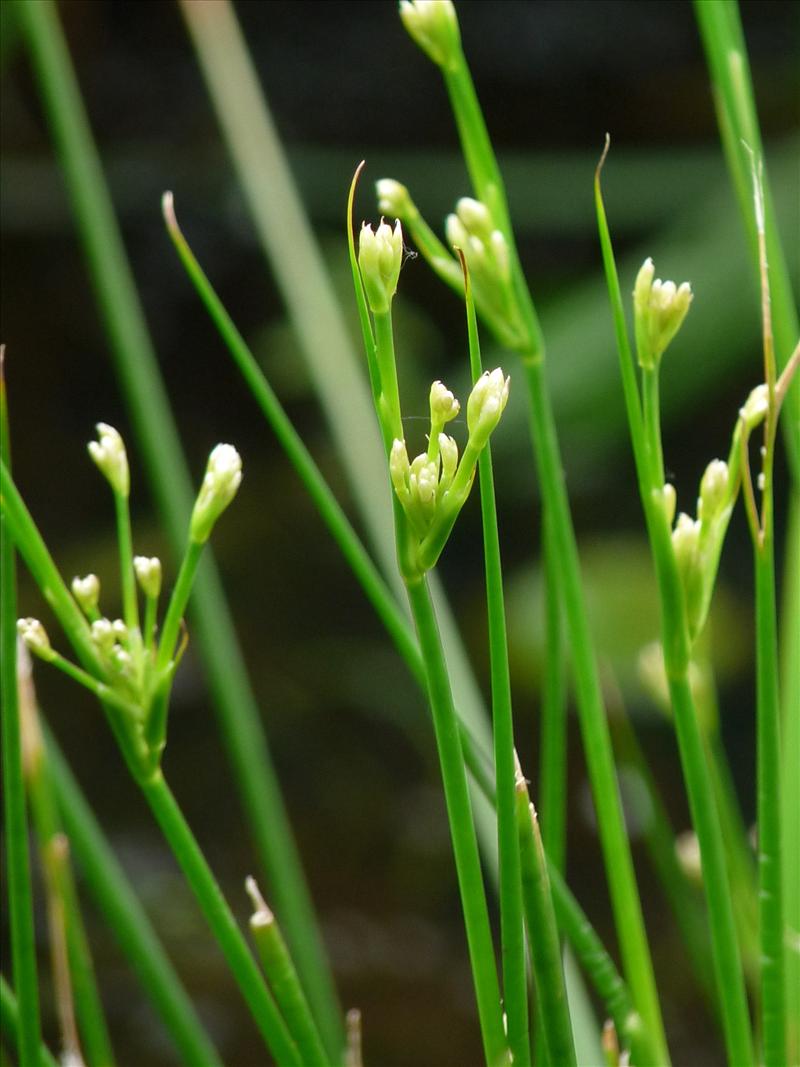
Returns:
(10, 1027)
(768, 810)
(543, 940)
(219, 918)
(176, 609)
(88, 1005)
(553, 745)
(515, 991)
(285, 983)
(625, 900)
(112, 893)
(389, 400)
(462, 830)
(130, 607)
(20, 890)
(238, 715)
(651, 417)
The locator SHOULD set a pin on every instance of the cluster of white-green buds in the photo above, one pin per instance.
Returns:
(433, 487)
(222, 479)
(108, 452)
(434, 27)
(659, 310)
(380, 257)
(34, 637)
(473, 230)
(697, 542)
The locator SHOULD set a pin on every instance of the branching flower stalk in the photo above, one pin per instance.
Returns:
(133, 683)
(428, 494)
(482, 224)
(685, 562)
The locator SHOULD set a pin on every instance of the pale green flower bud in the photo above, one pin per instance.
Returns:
(380, 257)
(659, 310)
(685, 539)
(423, 481)
(87, 592)
(668, 502)
(34, 636)
(476, 218)
(121, 660)
(393, 198)
(456, 233)
(120, 631)
(399, 469)
(109, 454)
(148, 574)
(687, 850)
(713, 490)
(754, 410)
(499, 250)
(448, 450)
(103, 634)
(486, 404)
(434, 27)
(222, 479)
(444, 405)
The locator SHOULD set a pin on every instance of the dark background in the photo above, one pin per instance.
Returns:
(348, 731)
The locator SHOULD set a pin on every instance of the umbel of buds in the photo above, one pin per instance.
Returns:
(34, 635)
(433, 487)
(108, 452)
(659, 310)
(434, 27)
(380, 256)
(222, 479)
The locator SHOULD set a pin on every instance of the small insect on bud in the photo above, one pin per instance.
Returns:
(380, 257)
(87, 592)
(222, 479)
(444, 405)
(108, 452)
(148, 574)
(659, 310)
(394, 198)
(486, 404)
(35, 636)
(434, 27)
(713, 490)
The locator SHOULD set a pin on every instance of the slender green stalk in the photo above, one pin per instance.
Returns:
(488, 184)
(238, 715)
(177, 604)
(462, 830)
(20, 890)
(49, 831)
(284, 981)
(130, 608)
(112, 893)
(553, 743)
(543, 940)
(219, 918)
(721, 32)
(515, 991)
(10, 1026)
(768, 800)
(675, 638)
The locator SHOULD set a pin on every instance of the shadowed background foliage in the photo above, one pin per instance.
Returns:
(347, 728)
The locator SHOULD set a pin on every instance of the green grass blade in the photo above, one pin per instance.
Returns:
(157, 437)
(20, 890)
(10, 1026)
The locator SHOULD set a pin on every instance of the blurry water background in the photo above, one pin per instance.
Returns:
(347, 728)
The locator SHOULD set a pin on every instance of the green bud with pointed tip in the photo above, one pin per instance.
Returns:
(659, 310)
(434, 27)
(108, 452)
(486, 404)
(222, 479)
(380, 257)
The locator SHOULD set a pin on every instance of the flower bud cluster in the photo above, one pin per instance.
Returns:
(434, 27)
(433, 487)
(697, 542)
(380, 257)
(472, 230)
(659, 310)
